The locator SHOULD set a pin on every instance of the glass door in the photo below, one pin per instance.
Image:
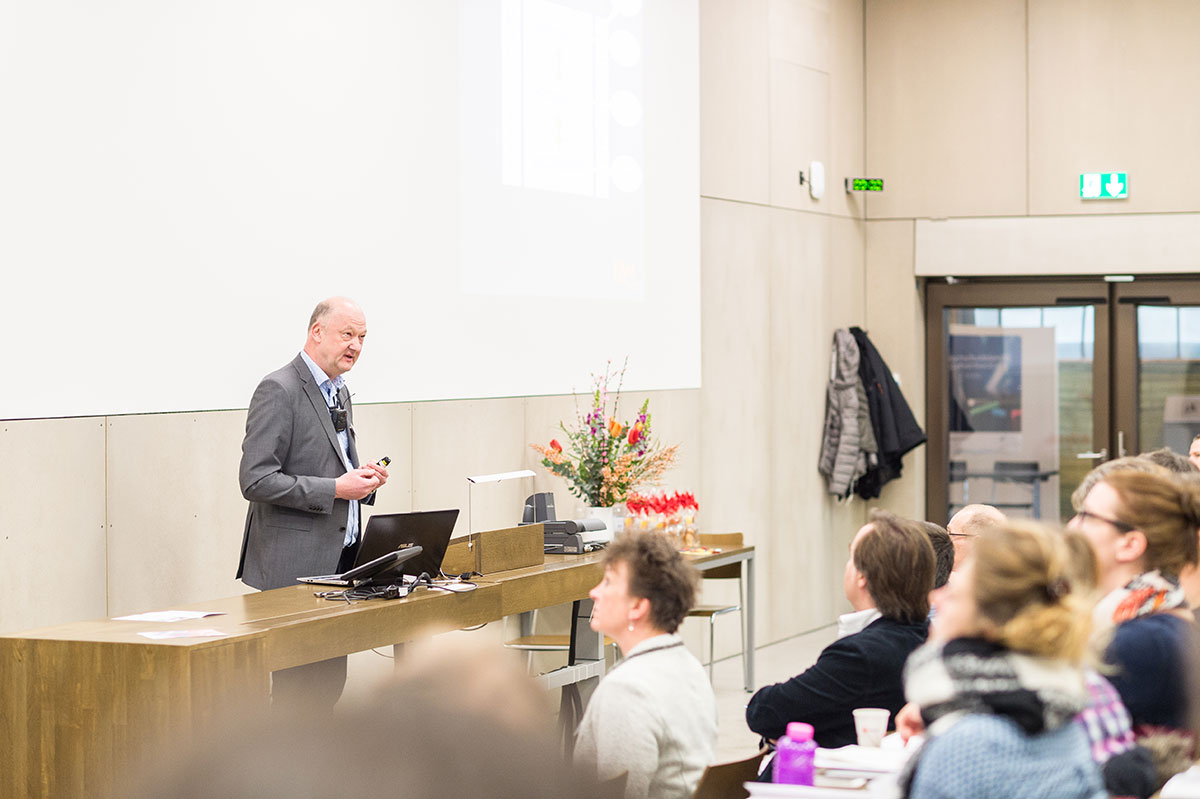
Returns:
(1157, 344)
(1016, 394)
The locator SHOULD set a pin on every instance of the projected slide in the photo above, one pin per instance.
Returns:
(510, 188)
(568, 131)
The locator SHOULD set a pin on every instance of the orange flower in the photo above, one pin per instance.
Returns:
(614, 427)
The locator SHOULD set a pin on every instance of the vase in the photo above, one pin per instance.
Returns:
(606, 515)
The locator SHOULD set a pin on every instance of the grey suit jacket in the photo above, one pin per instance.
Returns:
(290, 460)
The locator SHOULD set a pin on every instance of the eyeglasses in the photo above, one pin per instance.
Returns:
(962, 535)
(1084, 515)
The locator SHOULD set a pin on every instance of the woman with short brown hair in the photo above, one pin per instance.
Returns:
(654, 715)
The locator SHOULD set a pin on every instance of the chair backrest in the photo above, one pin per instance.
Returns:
(724, 780)
(1022, 471)
(722, 541)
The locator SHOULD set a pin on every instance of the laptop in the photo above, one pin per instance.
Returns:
(429, 530)
(387, 564)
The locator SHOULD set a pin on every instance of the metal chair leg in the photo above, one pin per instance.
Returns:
(712, 653)
(742, 620)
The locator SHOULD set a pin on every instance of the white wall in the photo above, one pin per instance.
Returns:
(781, 85)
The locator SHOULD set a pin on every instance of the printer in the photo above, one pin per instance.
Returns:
(569, 537)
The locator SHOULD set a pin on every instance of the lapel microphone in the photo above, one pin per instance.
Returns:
(338, 414)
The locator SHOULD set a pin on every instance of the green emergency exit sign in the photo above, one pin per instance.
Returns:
(1103, 186)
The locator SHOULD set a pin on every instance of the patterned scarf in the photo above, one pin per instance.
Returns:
(969, 675)
(1147, 593)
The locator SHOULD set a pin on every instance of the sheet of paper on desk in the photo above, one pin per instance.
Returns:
(162, 635)
(169, 615)
(769, 790)
(861, 759)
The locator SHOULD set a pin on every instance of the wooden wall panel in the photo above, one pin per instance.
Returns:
(945, 107)
(175, 512)
(52, 523)
(1112, 89)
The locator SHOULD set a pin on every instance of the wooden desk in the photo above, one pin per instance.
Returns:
(80, 703)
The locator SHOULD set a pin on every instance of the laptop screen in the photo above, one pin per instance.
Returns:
(429, 529)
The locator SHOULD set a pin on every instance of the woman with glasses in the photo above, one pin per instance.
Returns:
(1142, 527)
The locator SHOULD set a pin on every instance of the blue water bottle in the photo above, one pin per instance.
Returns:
(794, 755)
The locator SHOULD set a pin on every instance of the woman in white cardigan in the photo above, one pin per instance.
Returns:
(654, 715)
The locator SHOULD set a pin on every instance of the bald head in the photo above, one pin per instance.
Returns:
(967, 524)
(326, 307)
(336, 331)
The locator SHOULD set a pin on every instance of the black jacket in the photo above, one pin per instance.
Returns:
(896, 429)
(861, 670)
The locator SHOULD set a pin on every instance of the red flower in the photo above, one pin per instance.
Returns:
(634, 435)
(554, 445)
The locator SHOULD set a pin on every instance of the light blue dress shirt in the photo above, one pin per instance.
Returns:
(330, 388)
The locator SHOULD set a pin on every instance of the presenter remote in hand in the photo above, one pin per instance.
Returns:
(301, 474)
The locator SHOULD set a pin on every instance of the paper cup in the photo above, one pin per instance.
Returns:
(871, 725)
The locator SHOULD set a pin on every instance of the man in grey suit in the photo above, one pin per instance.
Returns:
(301, 475)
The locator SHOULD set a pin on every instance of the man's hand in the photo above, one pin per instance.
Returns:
(379, 470)
(358, 483)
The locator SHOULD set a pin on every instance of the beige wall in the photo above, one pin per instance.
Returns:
(147, 513)
(782, 86)
(981, 117)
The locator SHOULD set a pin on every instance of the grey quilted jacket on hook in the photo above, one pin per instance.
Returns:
(848, 445)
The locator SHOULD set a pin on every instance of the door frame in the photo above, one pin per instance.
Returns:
(1006, 293)
(1126, 298)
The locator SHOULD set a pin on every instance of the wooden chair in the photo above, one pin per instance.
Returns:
(549, 643)
(724, 780)
(730, 572)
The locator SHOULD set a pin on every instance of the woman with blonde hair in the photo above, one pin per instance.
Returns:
(999, 690)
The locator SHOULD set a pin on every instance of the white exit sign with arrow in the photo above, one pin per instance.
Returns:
(1103, 186)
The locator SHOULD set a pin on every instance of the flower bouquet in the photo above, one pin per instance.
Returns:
(672, 514)
(605, 459)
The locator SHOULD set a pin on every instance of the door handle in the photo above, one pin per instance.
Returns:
(1087, 456)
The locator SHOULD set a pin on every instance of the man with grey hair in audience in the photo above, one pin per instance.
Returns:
(1170, 460)
(966, 525)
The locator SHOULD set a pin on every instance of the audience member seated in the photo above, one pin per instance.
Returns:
(1131, 463)
(888, 578)
(943, 552)
(998, 697)
(654, 715)
(1194, 452)
(966, 525)
(460, 719)
(1189, 576)
(1127, 768)
(1169, 460)
(1143, 529)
